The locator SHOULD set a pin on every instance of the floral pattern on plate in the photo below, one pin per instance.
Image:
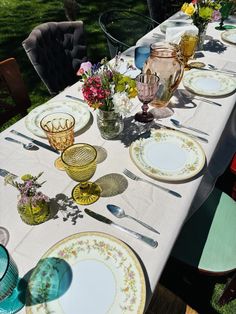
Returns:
(209, 83)
(229, 36)
(168, 155)
(95, 259)
(78, 110)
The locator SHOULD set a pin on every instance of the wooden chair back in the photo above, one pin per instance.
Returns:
(12, 84)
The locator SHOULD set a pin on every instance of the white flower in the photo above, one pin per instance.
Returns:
(121, 102)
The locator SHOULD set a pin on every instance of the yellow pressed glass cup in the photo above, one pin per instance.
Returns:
(80, 164)
(59, 128)
(188, 44)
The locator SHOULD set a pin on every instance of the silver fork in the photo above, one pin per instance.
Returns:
(132, 176)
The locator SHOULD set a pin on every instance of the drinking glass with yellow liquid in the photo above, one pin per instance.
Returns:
(187, 46)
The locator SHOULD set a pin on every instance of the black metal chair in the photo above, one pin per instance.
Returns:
(123, 28)
(56, 50)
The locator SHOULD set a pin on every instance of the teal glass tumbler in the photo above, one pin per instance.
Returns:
(9, 278)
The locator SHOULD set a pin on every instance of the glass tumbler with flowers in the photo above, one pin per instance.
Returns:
(202, 12)
(109, 91)
(33, 205)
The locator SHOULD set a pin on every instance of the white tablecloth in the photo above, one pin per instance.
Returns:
(157, 208)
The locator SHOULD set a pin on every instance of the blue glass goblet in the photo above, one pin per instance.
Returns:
(141, 53)
(10, 297)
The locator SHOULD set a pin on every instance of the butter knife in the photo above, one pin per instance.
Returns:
(4, 173)
(76, 98)
(36, 142)
(137, 235)
(217, 71)
(200, 138)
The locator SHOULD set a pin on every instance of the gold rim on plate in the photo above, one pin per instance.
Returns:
(125, 293)
(168, 155)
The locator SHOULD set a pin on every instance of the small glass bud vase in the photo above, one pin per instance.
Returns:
(35, 209)
(110, 123)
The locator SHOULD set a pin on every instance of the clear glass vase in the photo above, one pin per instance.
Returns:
(201, 38)
(110, 124)
(32, 211)
(164, 61)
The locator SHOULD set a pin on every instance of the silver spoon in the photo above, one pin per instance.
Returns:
(120, 213)
(179, 125)
(29, 146)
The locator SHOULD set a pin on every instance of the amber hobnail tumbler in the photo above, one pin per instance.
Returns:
(59, 128)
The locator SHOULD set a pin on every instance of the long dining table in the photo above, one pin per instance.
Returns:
(156, 207)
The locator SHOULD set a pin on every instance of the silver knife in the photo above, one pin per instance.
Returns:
(76, 98)
(217, 71)
(207, 101)
(203, 139)
(36, 142)
(137, 235)
(4, 173)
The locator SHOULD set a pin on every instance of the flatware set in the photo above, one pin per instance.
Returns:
(203, 139)
(137, 235)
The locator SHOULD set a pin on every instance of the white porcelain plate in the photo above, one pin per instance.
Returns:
(87, 273)
(209, 83)
(77, 109)
(173, 23)
(168, 155)
(229, 36)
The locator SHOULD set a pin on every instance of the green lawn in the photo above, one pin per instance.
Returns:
(19, 17)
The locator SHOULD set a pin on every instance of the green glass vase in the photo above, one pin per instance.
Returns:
(34, 211)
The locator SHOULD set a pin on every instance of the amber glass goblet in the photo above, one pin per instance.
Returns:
(147, 86)
(59, 128)
(188, 44)
(80, 164)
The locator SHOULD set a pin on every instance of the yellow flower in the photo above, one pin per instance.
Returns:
(184, 7)
(205, 13)
(190, 9)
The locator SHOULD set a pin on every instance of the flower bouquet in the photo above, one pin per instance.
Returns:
(202, 12)
(106, 89)
(33, 206)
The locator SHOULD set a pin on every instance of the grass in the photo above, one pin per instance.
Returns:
(17, 19)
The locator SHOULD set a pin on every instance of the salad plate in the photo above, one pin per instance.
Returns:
(77, 109)
(88, 272)
(229, 36)
(209, 83)
(168, 155)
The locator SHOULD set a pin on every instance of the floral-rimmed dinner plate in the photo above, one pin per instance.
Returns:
(209, 83)
(229, 36)
(77, 109)
(168, 155)
(87, 273)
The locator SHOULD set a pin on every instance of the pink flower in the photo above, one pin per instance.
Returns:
(216, 15)
(194, 1)
(84, 67)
